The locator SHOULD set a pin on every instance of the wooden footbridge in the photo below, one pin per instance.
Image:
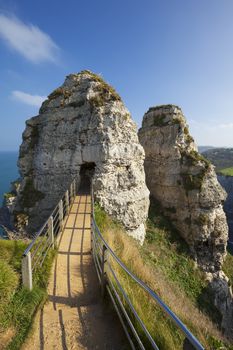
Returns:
(75, 316)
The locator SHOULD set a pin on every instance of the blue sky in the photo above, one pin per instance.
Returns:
(152, 51)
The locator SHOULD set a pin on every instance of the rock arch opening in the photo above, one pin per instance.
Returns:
(86, 173)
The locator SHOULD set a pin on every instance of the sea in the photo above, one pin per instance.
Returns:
(8, 173)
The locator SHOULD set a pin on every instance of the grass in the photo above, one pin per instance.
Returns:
(9, 195)
(163, 263)
(228, 267)
(17, 304)
(227, 171)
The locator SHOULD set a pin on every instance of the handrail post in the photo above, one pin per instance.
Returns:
(27, 271)
(61, 213)
(103, 272)
(67, 202)
(51, 231)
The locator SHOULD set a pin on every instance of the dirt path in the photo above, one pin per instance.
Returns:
(74, 316)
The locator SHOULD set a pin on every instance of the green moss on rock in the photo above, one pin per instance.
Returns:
(160, 120)
(9, 195)
(192, 182)
(192, 158)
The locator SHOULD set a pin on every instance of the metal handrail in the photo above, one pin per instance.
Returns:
(191, 338)
(49, 230)
(38, 233)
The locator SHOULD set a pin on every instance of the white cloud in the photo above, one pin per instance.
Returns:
(28, 40)
(212, 133)
(31, 100)
(226, 126)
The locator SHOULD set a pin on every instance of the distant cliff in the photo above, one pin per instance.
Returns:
(220, 157)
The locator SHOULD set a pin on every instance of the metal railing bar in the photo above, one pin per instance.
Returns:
(97, 259)
(37, 248)
(34, 264)
(193, 340)
(37, 234)
(98, 274)
(32, 242)
(57, 230)
(56, 225)
(120, 317)
(98, 246)
(127, 316)
(132, 308)
(56, 215)
(46, 254)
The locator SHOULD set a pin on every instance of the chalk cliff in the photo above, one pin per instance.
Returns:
(185, 184)
(227, 184)
(83, 126)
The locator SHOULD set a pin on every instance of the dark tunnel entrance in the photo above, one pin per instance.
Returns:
(86, 173)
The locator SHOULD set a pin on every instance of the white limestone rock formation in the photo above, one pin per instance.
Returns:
(84, 125)
(185, 184)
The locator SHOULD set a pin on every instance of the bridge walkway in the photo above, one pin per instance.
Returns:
(74, 317)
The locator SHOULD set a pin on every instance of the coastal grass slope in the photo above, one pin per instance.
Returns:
(17, 304)
(164, 263)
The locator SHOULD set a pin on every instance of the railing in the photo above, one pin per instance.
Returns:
(110, 283)
(45, 238)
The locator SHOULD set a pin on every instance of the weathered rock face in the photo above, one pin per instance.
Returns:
(84, 125)
(185, 184)
(227, 184)
(223, 300)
